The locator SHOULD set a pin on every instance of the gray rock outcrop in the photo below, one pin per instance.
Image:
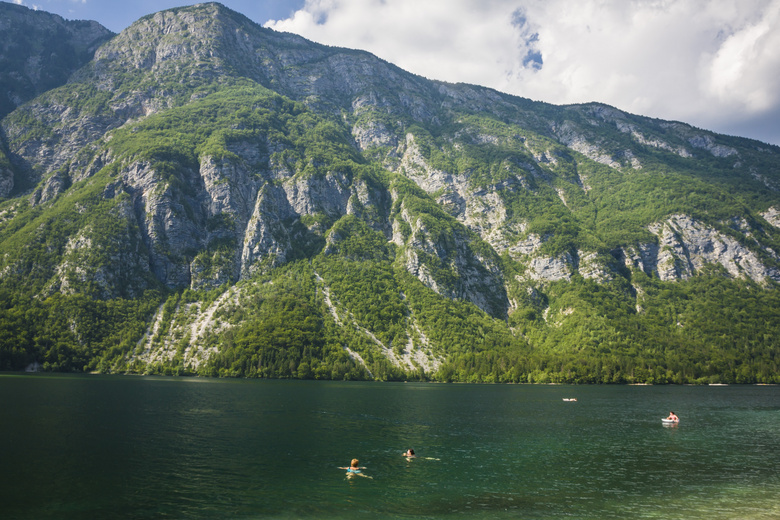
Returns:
(685, 246)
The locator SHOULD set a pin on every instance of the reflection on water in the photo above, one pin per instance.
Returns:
(130, 447)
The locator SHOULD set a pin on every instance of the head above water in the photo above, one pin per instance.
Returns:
(354, 463)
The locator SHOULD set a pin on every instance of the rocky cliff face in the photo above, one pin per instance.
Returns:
(685, 246)
(39, 51)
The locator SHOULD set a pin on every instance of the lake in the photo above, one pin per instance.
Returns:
(114, 447)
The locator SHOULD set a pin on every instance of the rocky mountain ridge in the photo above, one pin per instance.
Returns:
(198, 151)
(40, 51)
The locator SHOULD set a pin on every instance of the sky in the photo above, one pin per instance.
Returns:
(714, 64)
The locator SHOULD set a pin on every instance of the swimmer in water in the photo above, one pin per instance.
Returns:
(409, 454)
(353, 469)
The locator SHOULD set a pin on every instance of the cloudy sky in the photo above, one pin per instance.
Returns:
(711, 63)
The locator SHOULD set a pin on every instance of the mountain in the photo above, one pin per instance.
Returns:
(39, 51)
(207, 196)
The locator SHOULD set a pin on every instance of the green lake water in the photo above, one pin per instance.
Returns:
(113, 447)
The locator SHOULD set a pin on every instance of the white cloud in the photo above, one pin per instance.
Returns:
(745, 70)
(712, 63)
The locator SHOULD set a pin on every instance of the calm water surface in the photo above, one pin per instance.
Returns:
(88, 447)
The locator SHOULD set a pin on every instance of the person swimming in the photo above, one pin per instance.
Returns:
(409, 454)
(354, 469)
(673, 417)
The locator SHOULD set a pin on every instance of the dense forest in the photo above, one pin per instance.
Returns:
(287, 332)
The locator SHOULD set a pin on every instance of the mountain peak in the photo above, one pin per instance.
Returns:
(194, 33)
